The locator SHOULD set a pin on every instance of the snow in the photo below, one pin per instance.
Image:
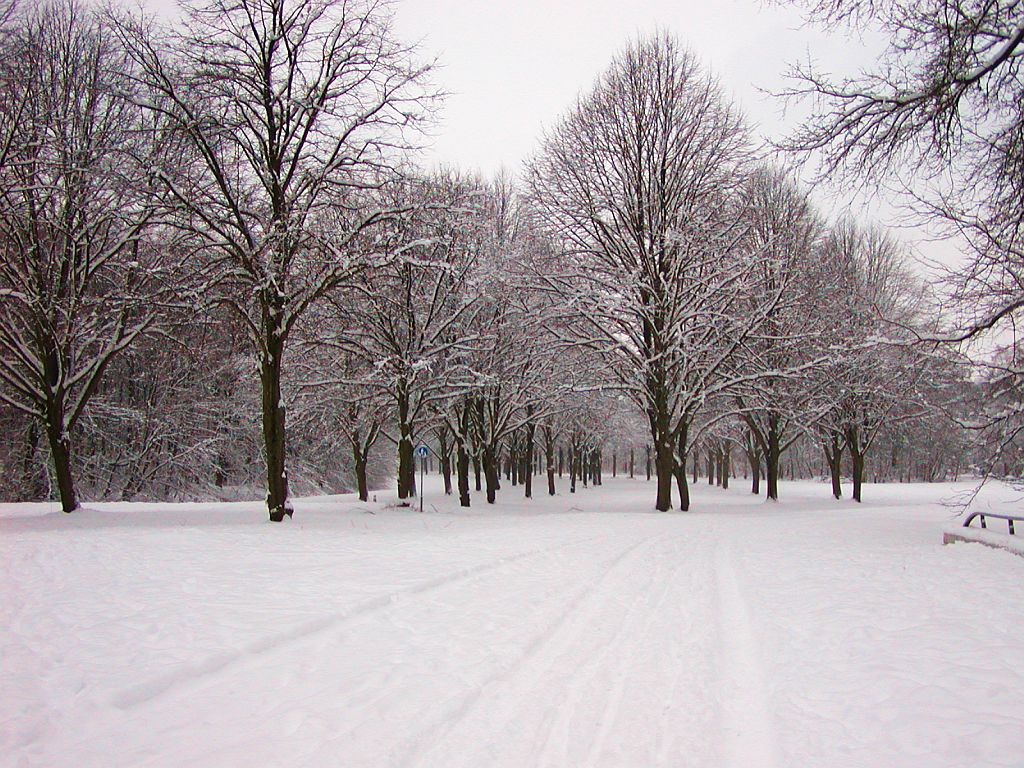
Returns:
(579, 630)
(988, 536)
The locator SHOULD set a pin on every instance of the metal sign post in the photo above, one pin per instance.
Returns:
(422, 451)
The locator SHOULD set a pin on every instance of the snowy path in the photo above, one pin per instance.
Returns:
(586, 635)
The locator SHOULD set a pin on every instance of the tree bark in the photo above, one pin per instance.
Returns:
(528, 453)
(664, 464)
(444, 458)
(549, 455)
(406, 459)
(490, 467)
(726, 464)
(680, 470)
(754, 460)
(274, 445)
(857, 462)
(359, 462)
(684, 489)
(858, 474)
(462, 461)
(771, 459)
(833, 449)
(60, 452)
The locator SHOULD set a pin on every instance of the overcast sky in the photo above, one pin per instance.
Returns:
(513, 66)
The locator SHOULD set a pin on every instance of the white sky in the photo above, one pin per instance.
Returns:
(512, 67)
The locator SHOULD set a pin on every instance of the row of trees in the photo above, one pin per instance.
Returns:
(938, 123)
(217, 223)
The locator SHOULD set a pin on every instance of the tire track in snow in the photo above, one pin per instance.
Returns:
(189, 673)
(747, 728)
(418, 751)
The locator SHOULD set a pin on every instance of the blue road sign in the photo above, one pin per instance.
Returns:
(422, 451)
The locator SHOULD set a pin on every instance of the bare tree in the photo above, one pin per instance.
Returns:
(876, 377)
(412, 318)
(77, 274)
(291, 112)
(940, 119)
(782, 231)
(639, 181)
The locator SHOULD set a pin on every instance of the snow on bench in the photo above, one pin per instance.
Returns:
(965, 532)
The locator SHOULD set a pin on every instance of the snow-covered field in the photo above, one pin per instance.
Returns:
(575, 631)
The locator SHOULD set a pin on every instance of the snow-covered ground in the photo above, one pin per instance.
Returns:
(575, 631)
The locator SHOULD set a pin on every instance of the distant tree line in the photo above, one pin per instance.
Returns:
(221, 269)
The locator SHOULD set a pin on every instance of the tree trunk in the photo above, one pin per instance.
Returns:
(751, 448)
(528, 454)
(683, 487)
(359, 462)
(857, 461)
(490, 466)
(406, 467)
(278, 504)
(680, 470)
(833, 450)
(60, 452)
(771, 461)
(664, 464)
(549, 451)
(726, 465)
(446, 472)
(647, 448)
(462, 461)
(406, 459)
(858, 474)
(572, 471)
(444, 457)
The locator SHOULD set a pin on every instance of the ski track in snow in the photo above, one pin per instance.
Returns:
(744, 635)
(526, 670)
(146, 691)
(747, 724)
